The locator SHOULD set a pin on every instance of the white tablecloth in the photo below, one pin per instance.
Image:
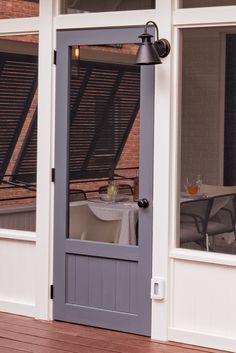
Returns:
(127, 212)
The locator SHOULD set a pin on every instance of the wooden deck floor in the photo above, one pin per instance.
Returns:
(21, 334)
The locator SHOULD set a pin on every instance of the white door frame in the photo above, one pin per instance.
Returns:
(162, 16)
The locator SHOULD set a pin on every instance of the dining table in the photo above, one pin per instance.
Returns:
(125, 210)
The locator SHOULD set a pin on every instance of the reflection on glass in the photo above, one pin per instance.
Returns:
(104, 222)
(206, 3)
(208, 118)
(80, 6)
(18, 132)
(104, 143)
(86, 225)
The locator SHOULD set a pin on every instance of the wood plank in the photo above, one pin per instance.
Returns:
(23, 334)
(11, 346)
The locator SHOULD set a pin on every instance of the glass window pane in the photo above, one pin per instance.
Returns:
(104, 144)
(19, 8)
(208, 139)
(206, 3)
(18, 131)
(80, 6)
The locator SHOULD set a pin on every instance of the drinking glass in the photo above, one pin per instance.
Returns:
(191, 186)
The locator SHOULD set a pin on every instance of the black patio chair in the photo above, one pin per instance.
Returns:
(194, 216)
(222, 217)
(77, 195)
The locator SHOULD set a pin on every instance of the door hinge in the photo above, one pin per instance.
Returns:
(53, 175)
(51, 291)
(55, 57)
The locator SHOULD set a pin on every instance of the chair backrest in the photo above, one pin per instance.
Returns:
(125, 189)
(85, 225)
(222, 201)
(214, 190)
(77, 195)
(222, 216)
(196, 211)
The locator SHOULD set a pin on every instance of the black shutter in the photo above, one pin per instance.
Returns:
(26, 164)
(230, 112)
(18, 83)
(104, 104)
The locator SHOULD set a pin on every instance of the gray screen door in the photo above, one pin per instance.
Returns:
(103, 164)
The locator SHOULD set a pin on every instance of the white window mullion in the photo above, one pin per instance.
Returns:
(44, 157)
(107, 19)
(161, 191)
(19, 25)
(205, 16)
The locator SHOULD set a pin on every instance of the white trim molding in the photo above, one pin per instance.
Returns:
(17, 308)
(19, 26)
(102, 20)
(44, 184)
(18, 235)
(205, 16)
(202, 339)
(203, 256)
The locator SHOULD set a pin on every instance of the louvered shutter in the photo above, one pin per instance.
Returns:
(18, 82)
(26, 165)
(104, 104)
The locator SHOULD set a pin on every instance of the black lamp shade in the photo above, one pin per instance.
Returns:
(147, 55)
(150, 53)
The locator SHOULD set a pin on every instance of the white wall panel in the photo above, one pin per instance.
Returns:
(203, 301)
(17, 276)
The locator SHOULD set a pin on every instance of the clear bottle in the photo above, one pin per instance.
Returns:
(199, 182)
(136, 187)
(112, 190)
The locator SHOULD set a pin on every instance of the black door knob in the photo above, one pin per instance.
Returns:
(143, 203)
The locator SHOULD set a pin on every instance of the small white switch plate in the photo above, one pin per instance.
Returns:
(157, 288)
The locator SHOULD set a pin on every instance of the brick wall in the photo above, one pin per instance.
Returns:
(18, 8)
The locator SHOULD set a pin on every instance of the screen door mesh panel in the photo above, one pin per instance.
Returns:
(104, 104)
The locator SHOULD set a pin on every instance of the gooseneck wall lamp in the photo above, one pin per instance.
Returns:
(151, 53)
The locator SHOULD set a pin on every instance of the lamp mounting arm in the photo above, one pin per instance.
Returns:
(154, 24)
